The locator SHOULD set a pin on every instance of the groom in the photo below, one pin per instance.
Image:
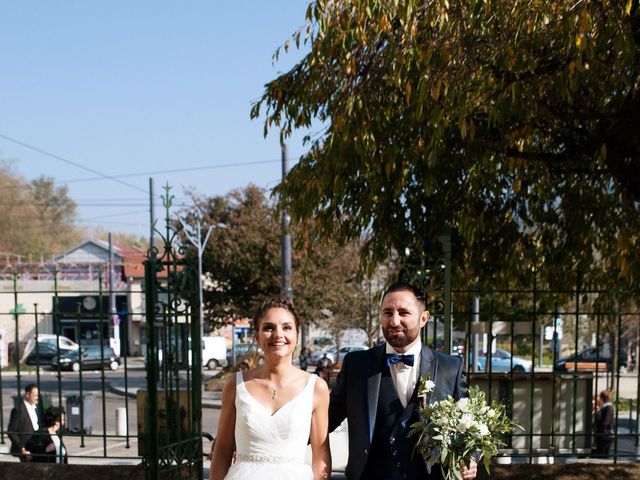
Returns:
(375, 390)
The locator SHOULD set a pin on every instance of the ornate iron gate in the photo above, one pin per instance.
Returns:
(173, 406)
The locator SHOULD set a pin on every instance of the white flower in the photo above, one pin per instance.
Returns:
(483, 430)
(425, 386)
(463, 404)
(491, 413)
(466, 421)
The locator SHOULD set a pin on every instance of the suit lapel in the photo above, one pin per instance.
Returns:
(373, 386)
(429, 369)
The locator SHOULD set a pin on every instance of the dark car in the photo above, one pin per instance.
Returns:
(88, 358)
(42, 354)
(588, 360)
(245, 350)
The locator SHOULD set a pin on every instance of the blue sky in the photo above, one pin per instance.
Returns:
(128, 87)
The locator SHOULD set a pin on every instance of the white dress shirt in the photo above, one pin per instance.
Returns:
(33, 415)
(60, 450)
(405, 377)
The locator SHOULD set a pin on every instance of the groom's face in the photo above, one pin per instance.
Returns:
(402, 317)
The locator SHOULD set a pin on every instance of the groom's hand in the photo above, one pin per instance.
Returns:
(470, 472)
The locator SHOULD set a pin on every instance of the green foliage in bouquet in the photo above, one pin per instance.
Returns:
(453, 432)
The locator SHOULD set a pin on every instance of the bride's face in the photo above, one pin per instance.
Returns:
(277, 333)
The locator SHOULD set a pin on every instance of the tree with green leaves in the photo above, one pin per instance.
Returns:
(242, 262)
(514, 122)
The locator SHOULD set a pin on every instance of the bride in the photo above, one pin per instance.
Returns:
(270, 413)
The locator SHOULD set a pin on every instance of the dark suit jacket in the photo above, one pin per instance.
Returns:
(20, 427)
(38, 444)
(355, 395)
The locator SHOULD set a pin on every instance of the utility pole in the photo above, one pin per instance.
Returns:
(285, 258)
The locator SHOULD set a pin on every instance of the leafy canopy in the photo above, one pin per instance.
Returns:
(514, 122)
(242, 263)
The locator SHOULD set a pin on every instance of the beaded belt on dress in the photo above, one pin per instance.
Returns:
(254, 458)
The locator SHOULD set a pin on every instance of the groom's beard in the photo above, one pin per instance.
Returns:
(400, 337)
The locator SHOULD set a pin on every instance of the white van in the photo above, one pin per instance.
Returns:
(214, 352)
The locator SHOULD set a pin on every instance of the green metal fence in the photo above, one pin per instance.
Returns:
(173, 412)
(77, 382)
(547, 354)
(516, 343)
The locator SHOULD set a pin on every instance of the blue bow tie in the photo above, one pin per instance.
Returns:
(395, 358)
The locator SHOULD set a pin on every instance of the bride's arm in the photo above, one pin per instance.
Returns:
(321, 454)
(225, 443)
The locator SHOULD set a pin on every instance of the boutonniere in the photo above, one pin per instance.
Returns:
(425, 387)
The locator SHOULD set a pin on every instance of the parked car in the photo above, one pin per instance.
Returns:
(588, 359)
(457, 347)
(245, 351)
(214, 352)
(46, 343)
(331, 353)
(503, 361)
(88, 358)
(42, 354)
(64, 343)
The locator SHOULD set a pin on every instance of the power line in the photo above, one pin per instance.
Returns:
(70, 162)
(175, 170)
(131, 224)
(137, 212)
(116, 178)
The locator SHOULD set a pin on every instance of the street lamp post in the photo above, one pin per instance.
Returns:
(200, 245)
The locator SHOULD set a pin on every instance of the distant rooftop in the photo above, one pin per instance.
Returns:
(86, 261)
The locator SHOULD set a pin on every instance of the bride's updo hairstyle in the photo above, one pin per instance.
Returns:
(270, 303)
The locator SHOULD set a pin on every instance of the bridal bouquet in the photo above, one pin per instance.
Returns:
(451, 432)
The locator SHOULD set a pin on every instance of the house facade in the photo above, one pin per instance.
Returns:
(71, 295)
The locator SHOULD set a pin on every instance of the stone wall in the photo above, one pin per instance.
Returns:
(571, 471)
(51, 471)
(567, 471)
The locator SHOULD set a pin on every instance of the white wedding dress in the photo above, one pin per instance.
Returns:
(272, 447)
